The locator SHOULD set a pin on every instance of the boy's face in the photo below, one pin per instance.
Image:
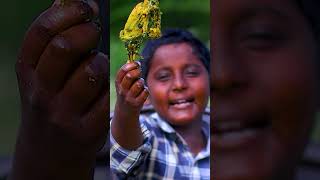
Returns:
(178, 84)
(263, 88)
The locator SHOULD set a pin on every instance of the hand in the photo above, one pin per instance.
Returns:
(131, 89)
(64, 93)
(131, 95)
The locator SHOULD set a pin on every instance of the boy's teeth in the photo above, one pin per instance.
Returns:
(181, 104)
(181, 101)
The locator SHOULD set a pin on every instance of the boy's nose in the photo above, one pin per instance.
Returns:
(179, 83)
(227, 74)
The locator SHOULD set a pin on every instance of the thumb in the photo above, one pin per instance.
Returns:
(93, 4)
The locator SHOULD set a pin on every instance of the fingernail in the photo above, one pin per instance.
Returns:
(58, 3)
(96, 69)
(139, 63)
(94, 6)
(86, 10)
(89, 9)
(146, 88)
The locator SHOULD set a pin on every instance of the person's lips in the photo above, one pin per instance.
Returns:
(181, 103)
(239, 131)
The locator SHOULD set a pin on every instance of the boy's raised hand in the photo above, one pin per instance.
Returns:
(131, 95)
(64, 93)
(131, 89)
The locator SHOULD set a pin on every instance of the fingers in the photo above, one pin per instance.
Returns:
(124, 70)
(54, 20)
(96, 120)
(130, 87)
(93, 3)
(62, 53)
(142, 97)
(128, 80)
(136, 88)
(87, 83)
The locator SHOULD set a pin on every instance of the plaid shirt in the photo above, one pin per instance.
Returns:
(163, 155)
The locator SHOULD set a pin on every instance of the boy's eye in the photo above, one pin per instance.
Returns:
(261, 34)
(163, 75)
(192, 72)
(262, 40)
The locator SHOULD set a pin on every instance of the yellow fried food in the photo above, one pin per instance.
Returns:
(143, 22)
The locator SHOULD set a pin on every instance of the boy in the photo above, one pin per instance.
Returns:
(265, 86)
(173, 142)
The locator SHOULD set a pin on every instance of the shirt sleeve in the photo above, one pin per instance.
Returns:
(125, 163)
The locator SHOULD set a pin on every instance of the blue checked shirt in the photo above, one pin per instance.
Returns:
(163, 155)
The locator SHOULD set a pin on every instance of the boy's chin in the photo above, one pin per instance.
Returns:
(181, 121)
(183, 117)
(263, 160)
(233, 169)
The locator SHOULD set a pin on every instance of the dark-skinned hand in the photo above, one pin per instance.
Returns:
(131, 89)
(131, 95)
(64, 91)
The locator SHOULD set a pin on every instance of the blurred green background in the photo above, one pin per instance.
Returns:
(17, 15)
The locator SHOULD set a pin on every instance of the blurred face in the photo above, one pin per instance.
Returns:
(178, 84)
(263, 88)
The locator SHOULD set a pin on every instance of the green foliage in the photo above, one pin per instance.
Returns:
(16, 16)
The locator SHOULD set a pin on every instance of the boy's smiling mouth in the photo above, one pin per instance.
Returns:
(233, 132)
(181, 103)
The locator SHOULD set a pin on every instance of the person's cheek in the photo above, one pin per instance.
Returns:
(203, 91)
(287, 90)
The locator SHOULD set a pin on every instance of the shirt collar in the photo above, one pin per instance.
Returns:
(164, 126)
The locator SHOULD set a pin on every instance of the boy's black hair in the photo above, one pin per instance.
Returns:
(311, 10)
(170, 36)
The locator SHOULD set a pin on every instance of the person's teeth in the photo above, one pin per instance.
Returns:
(181, 104)
(181, 101)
